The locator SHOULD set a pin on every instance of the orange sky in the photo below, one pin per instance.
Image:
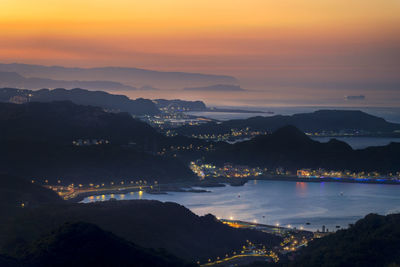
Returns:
(262, 42)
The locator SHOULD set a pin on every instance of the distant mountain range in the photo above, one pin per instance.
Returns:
(13, 79)
(216, 88)
(290, 148)
(110, 102)
(319, 121)
(133, 77)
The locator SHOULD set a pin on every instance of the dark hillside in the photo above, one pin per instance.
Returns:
(328, 121)
(83, 244)
(372, 241)
(150, 224)
(290, 148)
(117, 103)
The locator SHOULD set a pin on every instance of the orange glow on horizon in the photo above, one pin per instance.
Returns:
(257, 41)
(212, 21)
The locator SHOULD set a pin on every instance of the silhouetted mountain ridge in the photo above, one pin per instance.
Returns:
(37, 140)
(319, 121)
(64, 122)
(84, 244)
(13, 79)
(130, 76)
(290, 148)
(147, 223)
(289, 133)
(15, 191)
(102, 99)
(151, 224)
(372, 241)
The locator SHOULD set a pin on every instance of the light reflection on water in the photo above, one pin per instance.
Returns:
(294, 203)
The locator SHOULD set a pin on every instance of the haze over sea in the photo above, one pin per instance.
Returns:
(391, 114)
(285, 202)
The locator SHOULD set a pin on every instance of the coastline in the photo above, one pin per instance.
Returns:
(189, 187)
(292, 178)
(327, 179)
(162, 189)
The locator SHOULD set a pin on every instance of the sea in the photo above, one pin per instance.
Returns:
(287, 203)
(334, 205)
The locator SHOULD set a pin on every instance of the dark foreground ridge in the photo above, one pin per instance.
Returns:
(149, 224)
(372, 241)
(131, 233)
(17, 193)
(84, 244)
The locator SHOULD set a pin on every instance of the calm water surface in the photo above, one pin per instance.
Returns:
(294, 203)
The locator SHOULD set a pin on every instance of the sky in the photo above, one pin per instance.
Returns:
(284, 48)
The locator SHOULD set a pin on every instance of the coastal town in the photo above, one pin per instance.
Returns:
(228, 170)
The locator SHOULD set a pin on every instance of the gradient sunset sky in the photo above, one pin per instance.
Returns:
(281, 47)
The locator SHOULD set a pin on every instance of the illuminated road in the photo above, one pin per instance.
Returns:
(74, 192)
(236, 257)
